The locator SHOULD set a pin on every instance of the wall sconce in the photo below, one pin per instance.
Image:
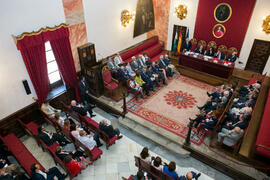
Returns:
(126, 17)
(266, 25)
(181, 11)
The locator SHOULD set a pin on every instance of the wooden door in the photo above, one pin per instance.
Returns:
(258, 56)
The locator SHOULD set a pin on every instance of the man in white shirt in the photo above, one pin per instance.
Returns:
(37, 174)
(90, 141)
(48, 109)
(118, 60)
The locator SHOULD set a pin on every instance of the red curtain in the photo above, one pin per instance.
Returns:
(236, 26)
(60, 44)
(33, 53)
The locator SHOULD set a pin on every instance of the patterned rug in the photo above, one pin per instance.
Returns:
(170, 107)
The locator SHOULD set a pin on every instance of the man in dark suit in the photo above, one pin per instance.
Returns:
(163, 65)
(210, 52)
(152, 75)
(219, 55)
(84, 90)
(232, 57)
(156, 70)
(147, 79)
(37, 174)
(124, 74)
(81, 110)
(186, 45)
(49, 138)
(109, 130)
(62, 153)
(134, 65)
(199, 50)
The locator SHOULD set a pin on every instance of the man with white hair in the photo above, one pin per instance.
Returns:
(80, 109)
(118, 60)
(134, 64)
(230, 137)
(109, 130)
(163, 65)
(168, 63)
(90, 141)
(141, 61)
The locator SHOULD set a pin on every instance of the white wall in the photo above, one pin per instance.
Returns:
(16, 17)
(104, 29)
(254, 32)
(189, 21)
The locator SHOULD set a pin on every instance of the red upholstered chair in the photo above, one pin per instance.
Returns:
(110, 84)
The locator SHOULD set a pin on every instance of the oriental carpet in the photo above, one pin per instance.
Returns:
(171, 106)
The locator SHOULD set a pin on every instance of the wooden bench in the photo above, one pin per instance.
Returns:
(144, 166)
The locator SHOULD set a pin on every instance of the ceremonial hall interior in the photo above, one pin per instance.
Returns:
(135, 89)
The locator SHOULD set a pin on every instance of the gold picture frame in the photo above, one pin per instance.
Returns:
(218, 31)
(222, 12)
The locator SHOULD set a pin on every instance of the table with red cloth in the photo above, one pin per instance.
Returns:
(210, 66)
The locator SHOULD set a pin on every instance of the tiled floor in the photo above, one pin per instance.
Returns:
(118, 161)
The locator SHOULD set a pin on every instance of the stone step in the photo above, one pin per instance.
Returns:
(153, 136)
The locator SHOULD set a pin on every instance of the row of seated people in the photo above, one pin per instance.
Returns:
(11, 171)
(8, 170)
(147, 76)
(239, 115)
(210, 52)
(74, 160)
(129, 69)
(214, 107)
(169, 169)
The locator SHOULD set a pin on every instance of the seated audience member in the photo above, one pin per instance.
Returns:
(240, 122)
(230, 137)
(158, 163)
(75, 130)
(90, 141)
(170, 170)
(186, 45)
(124, 74)
(12, 171)
(118, 60)
(4, 162)
(48, 109)
(190, 175)
(199, 50)
(232, 58)
(134, 65)
(60, 120)
(135, 87)
(210, 52)
(109, 130)
(219, 55)
(67, 125)
(209, 123)
(80, 109)
(38, 174)
(139, 176)
(49, 138)
(74, 166)
(129, 69)
(164, 66)
(142, 84)
(147, 79)
(168, 63)
(113, 68)
(153, 76)
(141, 61)
(160, 73)
(145, 155)
(75, 154)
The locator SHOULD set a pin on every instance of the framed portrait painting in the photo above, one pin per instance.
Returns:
(145, 18)
(223, 12)
(218, 31)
